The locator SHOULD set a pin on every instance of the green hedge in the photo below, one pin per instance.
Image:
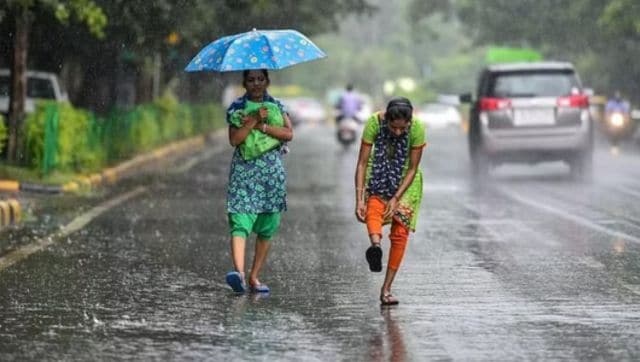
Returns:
(3, 132)
(84, 143)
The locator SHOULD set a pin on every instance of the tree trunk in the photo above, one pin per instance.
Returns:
(18, 93)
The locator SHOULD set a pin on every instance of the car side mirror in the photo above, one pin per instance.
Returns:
(466, 98)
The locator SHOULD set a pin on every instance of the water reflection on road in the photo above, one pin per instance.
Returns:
(531, 266)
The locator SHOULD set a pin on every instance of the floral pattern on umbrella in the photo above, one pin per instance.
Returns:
(257, 49)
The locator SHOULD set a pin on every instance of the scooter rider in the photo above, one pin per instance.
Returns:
(618, 122)
(617, 104)
(349, 105)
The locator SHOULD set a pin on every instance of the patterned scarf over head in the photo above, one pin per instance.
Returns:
(390, 154)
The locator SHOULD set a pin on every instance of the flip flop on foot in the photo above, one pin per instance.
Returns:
(388, 299)
(374, 258)
(236, 282)
(259, 288)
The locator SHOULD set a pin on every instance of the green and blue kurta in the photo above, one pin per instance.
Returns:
(257, 185)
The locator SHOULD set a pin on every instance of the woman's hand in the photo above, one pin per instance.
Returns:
(250, 121)
(263, 113)
(392, 206)
(361, 211)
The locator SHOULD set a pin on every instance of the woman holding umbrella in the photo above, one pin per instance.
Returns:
(256, 194)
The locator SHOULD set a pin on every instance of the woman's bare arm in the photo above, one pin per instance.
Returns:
(284, 133)
(238, 135)
(361, 169)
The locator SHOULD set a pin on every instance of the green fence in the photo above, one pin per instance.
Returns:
(60, 137)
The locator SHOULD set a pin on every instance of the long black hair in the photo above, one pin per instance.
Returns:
(399, 108)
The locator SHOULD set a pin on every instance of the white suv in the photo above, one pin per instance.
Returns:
(40, 85)
(530, 112)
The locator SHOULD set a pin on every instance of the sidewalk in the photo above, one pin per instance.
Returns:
(16, 195)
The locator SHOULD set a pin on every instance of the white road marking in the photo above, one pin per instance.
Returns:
(78, 223)
(201, 157)
(628, 191)
(571, 217)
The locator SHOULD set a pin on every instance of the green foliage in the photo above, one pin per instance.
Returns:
(207, 117)
(599, 36)
(75, 153)
(85, 143)
(34, 131)
(72, 152)
(145, 130)
(85, 11)
(3, 132)
(169, 124)
(621, 18)
(185, 121)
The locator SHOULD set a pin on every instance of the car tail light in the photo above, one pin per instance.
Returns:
(578, 101)
(494, 104)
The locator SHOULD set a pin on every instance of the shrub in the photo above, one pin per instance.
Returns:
(70, 149)
(3, 132)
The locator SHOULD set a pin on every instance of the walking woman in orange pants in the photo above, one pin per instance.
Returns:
(389, 184)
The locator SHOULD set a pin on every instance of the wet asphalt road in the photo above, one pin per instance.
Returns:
(530, 266)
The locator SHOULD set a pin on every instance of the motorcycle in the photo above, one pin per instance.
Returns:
(618, 126)
(347, 132)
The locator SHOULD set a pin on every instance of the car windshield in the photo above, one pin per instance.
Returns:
(36, 88)
(533, 84)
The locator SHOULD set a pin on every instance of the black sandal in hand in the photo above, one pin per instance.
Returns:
(374, 258)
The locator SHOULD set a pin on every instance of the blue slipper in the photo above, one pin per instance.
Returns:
(234, 279)
(260, 288)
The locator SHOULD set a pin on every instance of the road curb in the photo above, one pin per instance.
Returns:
(111, 175)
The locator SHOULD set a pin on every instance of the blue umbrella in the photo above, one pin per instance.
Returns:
(257, 49)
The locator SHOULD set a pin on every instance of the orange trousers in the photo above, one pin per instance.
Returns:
(399, 233)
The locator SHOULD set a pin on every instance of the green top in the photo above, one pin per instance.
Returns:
(409, 203)
(257, 143)
(416, 132)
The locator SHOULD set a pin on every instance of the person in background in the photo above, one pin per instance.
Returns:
(349, 104)
(388, 184)
(256, 194)
(617, 104)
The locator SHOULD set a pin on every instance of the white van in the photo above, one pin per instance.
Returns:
(40, 85)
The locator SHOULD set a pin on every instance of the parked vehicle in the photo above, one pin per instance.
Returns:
(530, 112)
(439, 116)
(305, 110)
(40, 85)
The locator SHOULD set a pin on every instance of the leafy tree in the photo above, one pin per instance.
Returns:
(143, 37)
(598, 36)
(21, 13)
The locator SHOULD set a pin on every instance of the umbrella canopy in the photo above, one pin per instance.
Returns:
(256, 49)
